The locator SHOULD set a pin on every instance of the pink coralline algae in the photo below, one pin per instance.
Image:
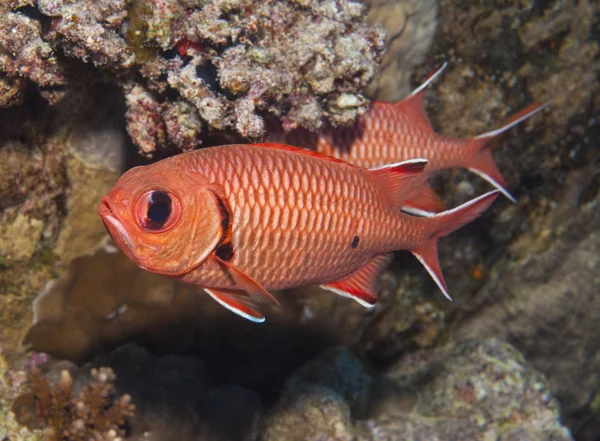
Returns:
(190, 70)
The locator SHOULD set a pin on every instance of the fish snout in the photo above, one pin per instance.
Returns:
(114, 226)
(105, 208)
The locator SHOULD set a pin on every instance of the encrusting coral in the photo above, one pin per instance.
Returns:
(191, 68)
(95, 413)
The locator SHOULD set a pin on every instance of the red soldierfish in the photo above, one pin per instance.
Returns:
(392, 132)
(239, 220)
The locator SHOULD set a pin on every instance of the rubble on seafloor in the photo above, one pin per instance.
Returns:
(188, 68)
(476, 390)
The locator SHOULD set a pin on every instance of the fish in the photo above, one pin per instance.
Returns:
(397, 131)
(241, 220)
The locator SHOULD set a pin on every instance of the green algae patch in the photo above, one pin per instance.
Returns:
(83, 230)
(139, 13)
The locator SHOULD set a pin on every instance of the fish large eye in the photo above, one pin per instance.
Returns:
(157, 211)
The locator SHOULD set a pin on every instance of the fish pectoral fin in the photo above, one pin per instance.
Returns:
(423, 201)
(395, 179)
(236, 304)
(246, 283)
(361, 285)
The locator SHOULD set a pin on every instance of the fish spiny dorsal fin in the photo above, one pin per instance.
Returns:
(413, 104)
(361, 285)
(395, 179)
(443, 224)
(423, 201)
(301, 151)
(480, 160)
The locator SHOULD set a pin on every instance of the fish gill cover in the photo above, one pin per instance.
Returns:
(192, 67)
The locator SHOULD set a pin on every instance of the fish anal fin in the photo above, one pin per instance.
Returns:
(413, 104)
(361, 285)
(395, 179)
(235, 304)
(423, 201)
(246, 283)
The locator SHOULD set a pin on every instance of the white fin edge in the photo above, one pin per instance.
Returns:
(503, 129)
(120, 310)
(398, 164)
(468, 203)
(417, 212)
(437, 281)
(339, 292)
(492, 181)
(429, 80)
(235, 311)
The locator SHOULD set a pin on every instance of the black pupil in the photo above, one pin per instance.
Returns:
(159, 209)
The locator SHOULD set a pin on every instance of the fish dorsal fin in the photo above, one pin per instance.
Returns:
(395, 179)
(236, 304)
(247, 284)
(413, 104)
(361, 285)
(423, 201)
(302, 151)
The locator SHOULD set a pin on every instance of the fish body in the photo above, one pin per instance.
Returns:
(395, 132)
(240, 220)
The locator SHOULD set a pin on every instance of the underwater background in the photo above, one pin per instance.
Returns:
(92, 347)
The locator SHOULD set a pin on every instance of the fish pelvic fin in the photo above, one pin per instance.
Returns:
(395, 179)
(481, 161)
(247, 284)
(361, 285)
(236, 304)
(423, 201)
(443, 224)
(413, 104)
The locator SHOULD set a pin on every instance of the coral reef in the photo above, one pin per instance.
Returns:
(49, 187)
(173, 396)
(478, 390)
(557, 284)
(411, 26)
(93, 413)
(215, 66)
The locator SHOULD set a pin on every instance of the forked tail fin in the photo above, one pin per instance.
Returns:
(443, 224)
(481, 161)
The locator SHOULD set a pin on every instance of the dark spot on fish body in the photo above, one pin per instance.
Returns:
(225, 252)
(224, 212)
(355, 241)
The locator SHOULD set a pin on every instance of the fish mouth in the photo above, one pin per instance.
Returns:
(112, 223)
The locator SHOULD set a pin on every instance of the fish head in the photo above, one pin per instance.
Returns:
(164, 218)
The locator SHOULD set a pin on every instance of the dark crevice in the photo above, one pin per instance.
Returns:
(35, 14)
